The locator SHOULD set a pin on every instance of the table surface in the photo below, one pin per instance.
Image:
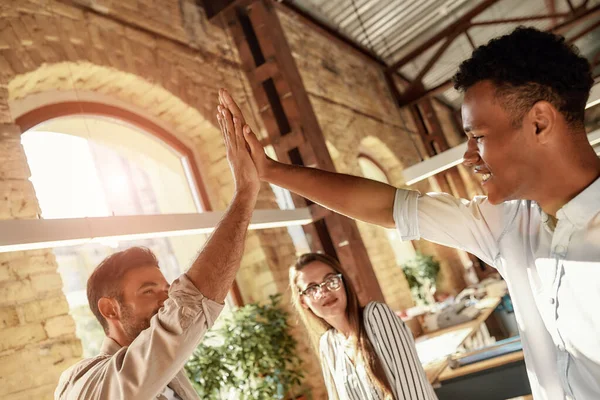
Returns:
(434, 368)
(449, 373)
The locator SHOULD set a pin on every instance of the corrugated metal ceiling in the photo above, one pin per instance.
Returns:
(392, 28)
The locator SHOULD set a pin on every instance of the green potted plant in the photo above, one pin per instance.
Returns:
(421, 273)
(251, 356)
(206, 370)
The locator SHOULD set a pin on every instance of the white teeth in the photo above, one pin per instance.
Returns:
(486, 177)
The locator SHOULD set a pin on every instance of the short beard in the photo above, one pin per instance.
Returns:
(132, 325)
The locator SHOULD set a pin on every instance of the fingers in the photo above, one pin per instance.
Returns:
(239, 135)
(252, 140)
(232, 126)
(222, 127)
(228, 101)
(229, 127)
(221, 101)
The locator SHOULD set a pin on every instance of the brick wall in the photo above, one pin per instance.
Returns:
(356, 112)
(162, 58)
(37, 335)
(167, 63)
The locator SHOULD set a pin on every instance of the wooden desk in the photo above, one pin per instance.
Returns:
(487, 307)
(435, 368)
(498, 378)
(449, 373)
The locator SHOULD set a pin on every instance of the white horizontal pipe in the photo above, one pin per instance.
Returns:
(594, 96)
(451, 158)
(30, 234)
(435, 164)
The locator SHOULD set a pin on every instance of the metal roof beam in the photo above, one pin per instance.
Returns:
(520, 19)
(416, 90)
(460, 25)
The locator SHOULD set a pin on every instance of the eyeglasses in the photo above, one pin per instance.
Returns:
(315, 292)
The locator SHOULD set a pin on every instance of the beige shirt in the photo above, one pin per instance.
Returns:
(153, 361)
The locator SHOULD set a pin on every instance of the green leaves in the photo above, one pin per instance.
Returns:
(421, 273)
(255, 360)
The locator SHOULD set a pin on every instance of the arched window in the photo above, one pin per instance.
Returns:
(103, 163)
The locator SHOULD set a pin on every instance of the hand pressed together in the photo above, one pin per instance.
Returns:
(229, 110)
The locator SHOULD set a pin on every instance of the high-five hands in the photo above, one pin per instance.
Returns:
(244, 172)
(229, 113)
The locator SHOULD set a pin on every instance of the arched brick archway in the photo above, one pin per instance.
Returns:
(167, 75)
(94, 109)
(40, 319)
(450, 279)
(44, 94)
(381, 154)
(106, 90)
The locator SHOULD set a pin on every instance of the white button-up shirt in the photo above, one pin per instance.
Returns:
(552, 272)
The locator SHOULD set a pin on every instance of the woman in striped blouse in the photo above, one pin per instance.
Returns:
(366, 353)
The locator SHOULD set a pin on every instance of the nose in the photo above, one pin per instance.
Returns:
(321, 291)
(324, 291)
(471, 156)
(162, 297)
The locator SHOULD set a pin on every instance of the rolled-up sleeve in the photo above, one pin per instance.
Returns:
(185, 305)
(474, 226)
(405, 214)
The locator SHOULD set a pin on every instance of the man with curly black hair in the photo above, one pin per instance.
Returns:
(528, 82)
(524, 102)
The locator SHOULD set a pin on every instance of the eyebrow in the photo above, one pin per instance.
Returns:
(323, 280)
(147, 285)
(470, 128)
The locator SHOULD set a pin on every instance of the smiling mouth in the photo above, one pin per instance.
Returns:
(329, 302)
(485, 177)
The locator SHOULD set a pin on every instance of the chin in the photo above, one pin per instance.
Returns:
(496, 196)
(331, 312)
(494, 200)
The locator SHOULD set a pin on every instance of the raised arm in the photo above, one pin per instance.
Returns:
(215, 268)
(143, 369)
(355, 197)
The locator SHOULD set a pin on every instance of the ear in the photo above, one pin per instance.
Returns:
(303, 303)
(108, 308)
(543, 117)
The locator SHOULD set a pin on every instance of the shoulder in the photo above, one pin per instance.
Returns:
(84, 366)
(376, 314)
(326, 346)
(82, 370)
(325, 340)
(375, 310)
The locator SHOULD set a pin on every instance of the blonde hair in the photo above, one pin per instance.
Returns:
(354, 313)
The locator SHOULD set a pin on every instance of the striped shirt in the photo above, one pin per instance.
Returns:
(394, 345)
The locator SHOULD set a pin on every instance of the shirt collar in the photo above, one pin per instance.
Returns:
(581, 209)
(109, 346)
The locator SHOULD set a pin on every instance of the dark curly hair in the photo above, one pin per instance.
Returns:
(527, 66)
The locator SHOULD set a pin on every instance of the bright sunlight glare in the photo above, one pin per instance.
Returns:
(78, 193)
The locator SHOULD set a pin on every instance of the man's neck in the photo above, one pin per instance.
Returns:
(563, 181)
(120, 339)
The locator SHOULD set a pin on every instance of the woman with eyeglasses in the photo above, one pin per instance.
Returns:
(367, 353)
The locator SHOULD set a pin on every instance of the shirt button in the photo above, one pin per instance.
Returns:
(552, 301)
(561, 347)
(560, 249)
